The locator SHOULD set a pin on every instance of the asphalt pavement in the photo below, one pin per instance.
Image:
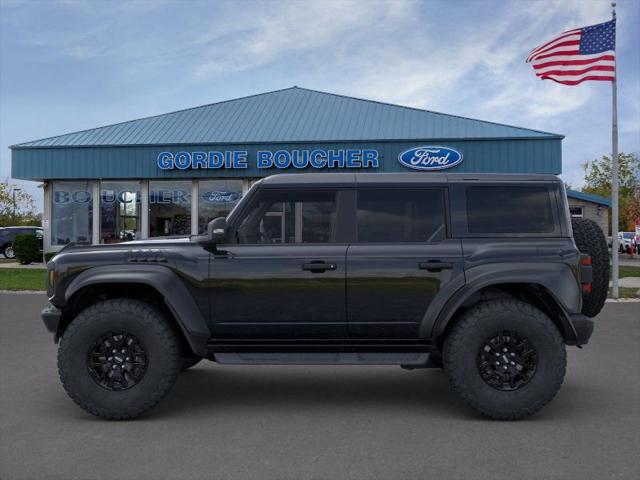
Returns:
(323, 422)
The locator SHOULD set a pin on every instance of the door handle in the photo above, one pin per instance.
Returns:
(318, 266)
(435, 266)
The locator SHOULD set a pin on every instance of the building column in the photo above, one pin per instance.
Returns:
(144, 209)
(194, 207)
(46, 216)
(246, 185)
(95, 199)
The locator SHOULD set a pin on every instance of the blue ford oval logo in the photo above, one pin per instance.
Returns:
(430, 158)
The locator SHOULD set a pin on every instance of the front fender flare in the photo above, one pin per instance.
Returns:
(166, 282)
(557, 279)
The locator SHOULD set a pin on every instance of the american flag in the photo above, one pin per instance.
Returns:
(587, 53)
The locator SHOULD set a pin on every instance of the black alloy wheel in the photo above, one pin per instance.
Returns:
(117, 361)
(507, 361)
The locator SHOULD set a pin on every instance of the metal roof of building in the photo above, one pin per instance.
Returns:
(285, 116)
(589, 197)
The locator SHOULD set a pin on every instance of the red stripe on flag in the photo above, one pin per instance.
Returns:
(574, 62)
(557, 45)
(576, 82)
(600, 68)
(565, 34)
(569, 51)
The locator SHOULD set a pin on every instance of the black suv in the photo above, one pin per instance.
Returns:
(7, 234)
(479, 274)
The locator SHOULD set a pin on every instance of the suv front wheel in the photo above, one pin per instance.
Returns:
(119, 358)
(505, 358)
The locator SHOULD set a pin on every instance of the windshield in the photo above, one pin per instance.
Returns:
(628, 234)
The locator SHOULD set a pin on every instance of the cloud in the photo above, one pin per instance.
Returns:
(283, 30)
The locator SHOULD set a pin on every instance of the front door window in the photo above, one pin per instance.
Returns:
(290, 217)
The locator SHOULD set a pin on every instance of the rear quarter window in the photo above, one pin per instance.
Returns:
(509, 209)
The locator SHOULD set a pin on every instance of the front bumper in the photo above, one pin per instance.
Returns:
(584, 328)
(51, 316)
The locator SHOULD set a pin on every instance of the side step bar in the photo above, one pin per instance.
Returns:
(414, 360)
(408, 353)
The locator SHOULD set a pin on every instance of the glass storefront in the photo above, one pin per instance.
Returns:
(119, 211)
(216, 198)
(119, 206)
(71, 213)
(169, 208)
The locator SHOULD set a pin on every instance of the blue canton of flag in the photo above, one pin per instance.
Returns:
(598, 38)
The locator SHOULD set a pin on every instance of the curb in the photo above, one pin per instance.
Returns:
(622, 300)
(24, 292)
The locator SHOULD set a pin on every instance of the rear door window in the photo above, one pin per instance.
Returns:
(509, 209)
(408, 215)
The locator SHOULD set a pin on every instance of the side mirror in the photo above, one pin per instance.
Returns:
(217, 230)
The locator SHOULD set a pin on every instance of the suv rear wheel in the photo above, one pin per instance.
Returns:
(505, 358)
(119, 358)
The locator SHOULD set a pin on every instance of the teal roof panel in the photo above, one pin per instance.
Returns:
(290, 115)
(589, 197)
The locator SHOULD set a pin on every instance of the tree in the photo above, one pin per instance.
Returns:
(598, 181)
(25, 207)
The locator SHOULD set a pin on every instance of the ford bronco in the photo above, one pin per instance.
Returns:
(482, 275)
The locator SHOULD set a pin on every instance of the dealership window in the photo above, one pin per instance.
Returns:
(216, 198)
(119, 211)
(394, 215)
(169, 208)
(290, 217)
(505, 209)
(576, 212)
(71, 213)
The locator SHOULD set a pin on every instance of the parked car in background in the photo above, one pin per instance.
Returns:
(625, 239)
(7, 234)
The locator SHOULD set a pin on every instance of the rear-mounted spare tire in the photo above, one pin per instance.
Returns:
(590, 239)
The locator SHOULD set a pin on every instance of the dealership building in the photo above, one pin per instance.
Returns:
(170, 174)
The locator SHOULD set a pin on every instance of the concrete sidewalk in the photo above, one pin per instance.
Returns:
(18, 265)
(626, 260)
(629, 282)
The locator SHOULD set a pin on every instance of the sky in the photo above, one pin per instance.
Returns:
(72, 65)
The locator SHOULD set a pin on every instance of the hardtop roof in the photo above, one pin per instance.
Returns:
(318, 179)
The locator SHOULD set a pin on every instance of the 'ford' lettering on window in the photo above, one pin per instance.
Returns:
(430, 158)
(220, 197)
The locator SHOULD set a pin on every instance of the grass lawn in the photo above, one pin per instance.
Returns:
(629, 271)
(22, 279)
(625, 292)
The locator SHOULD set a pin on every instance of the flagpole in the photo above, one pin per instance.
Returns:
(614, 174)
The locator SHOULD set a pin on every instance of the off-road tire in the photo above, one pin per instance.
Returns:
(590, 239)
(154, 332)
(469, 334)
(188, 362)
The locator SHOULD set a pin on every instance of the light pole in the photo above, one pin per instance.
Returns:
(14, 203)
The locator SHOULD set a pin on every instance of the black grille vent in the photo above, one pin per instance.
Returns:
(146, 255)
